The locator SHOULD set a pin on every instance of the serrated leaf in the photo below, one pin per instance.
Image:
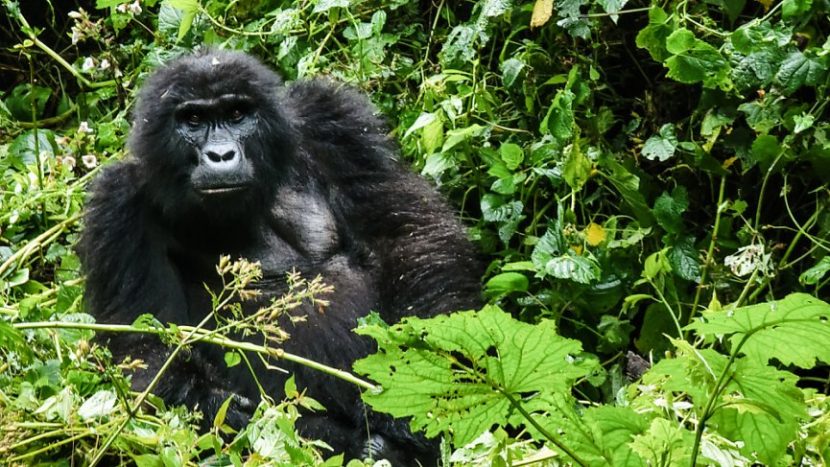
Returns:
(795, 330)
(683, 258)
(559, 120)
(669, 209)
(100, 404)
(653, 37)
(695, 61)
(325, 5)
(799, 70)
(510, 70)
(813, 275)
(449, 373)
(661, 146)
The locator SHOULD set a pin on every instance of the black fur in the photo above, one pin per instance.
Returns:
(329, 198)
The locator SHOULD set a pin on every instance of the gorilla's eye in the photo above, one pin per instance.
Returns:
(237, 115)
(193, 119)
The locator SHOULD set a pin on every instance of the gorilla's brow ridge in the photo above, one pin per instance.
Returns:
(225, 100)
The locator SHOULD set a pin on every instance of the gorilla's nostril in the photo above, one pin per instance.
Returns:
(224, 157)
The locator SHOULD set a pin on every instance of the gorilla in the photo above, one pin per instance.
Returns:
(226, 159)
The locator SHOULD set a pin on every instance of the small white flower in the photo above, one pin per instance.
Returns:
(88, 64)
(74, 14)
(121, 8)
(104, 64)
(83, 127)
(134, 7)
(68, 161)
(76, 35)
(89, 160)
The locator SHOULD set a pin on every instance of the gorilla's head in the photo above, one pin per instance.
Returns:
(210, 136)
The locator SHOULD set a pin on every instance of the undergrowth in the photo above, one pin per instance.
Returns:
(648, 181)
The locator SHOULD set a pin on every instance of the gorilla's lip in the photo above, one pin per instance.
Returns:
(222, 190)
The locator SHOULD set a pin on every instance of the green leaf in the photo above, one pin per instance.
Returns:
(512, 155)
(813, 275)
(612, 7)
(460, 135)
(449, 373)
(799, 70)
(795, 330)
(653, 37)
(793, 9)
(100, 404)
(505, 283)
(582, 269)
(695, 61)
(669, 209)
(510, 70)
(325, 5)
(664, 440)
(761, 408)
(559, 120)
(232, 359)
(662, 145)
(683, 258)
(577, 168)
(187, 10)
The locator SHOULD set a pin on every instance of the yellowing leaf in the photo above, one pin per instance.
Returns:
(542, 11)
(594, 234)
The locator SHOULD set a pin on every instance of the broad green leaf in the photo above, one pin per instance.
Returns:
(577, 167)
(581, 269)
(695, 61)
(793, 9)
(669, 209)
(510, 70)
(232, 358)
(653, 37)
(325, 5)
(628, 185)
(100, 404)
(448, 373)
(612, 7)
(661, 146)
(512, 155)
(506, 283)
(799, 70)
(760, 407)
(816, 273)
(683, 258)
(460, 135)
(663, 441)
(559, 120)
(423, 120)
(189, 8)
(795, 330)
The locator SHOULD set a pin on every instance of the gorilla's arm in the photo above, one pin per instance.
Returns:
(129, 273)
(428, 265)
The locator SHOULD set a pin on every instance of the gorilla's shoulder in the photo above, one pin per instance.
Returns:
(335, 113)
(118, 181)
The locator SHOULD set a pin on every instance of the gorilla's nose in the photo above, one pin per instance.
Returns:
(221, 156)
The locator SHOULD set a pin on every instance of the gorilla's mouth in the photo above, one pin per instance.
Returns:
(223, 190)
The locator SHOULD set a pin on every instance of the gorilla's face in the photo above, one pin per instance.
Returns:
(211, 137)
(216, 130)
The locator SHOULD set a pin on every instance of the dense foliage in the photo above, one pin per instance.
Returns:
(648, 182)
